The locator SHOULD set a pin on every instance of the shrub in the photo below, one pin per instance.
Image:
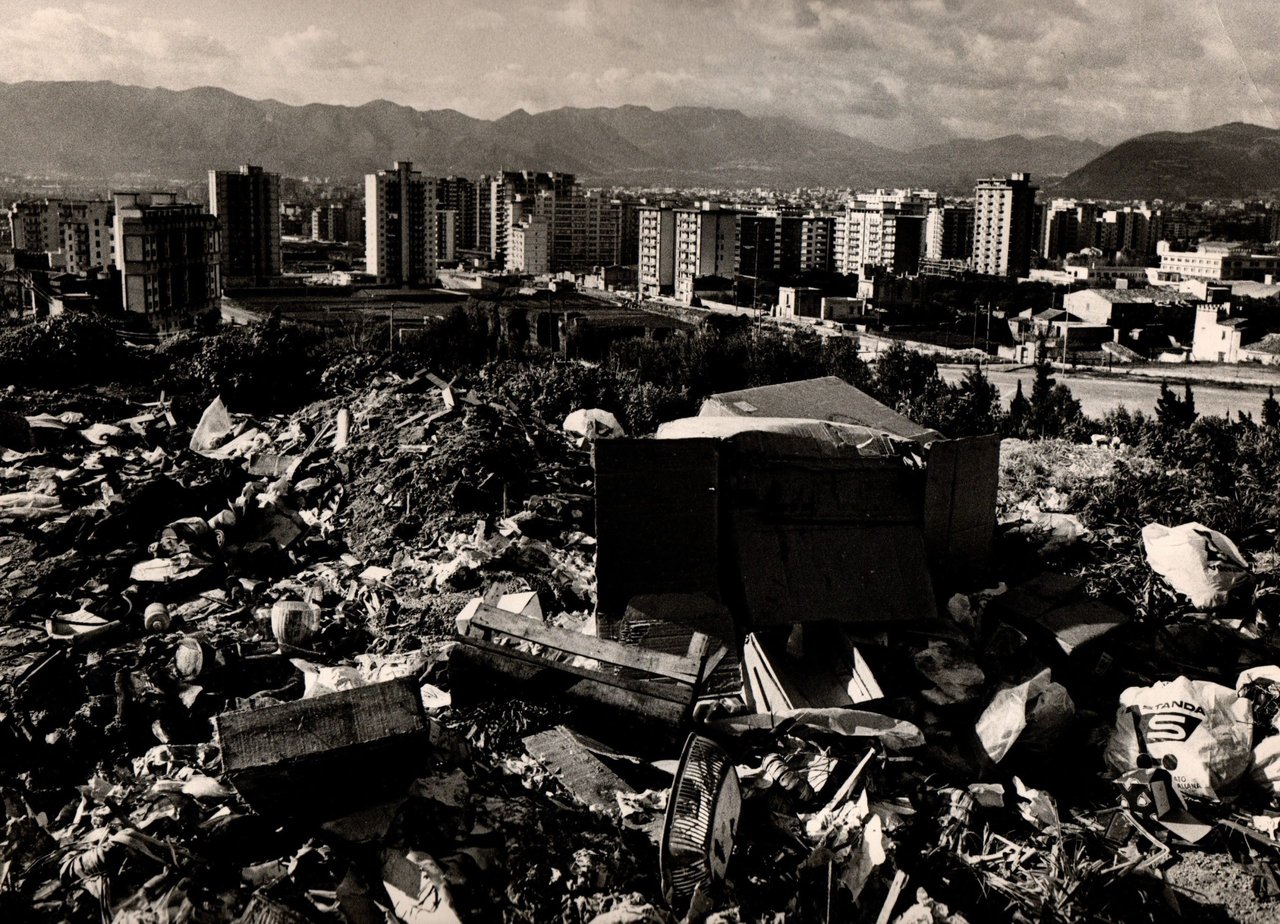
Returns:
(71, 349)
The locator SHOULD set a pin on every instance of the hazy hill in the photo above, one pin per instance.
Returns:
(101, 130)
(1234, 160)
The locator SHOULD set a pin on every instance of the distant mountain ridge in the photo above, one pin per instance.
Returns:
(1230, 161)
(103, 130)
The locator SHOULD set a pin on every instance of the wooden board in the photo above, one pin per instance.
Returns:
(580, 772)
(490, 619)
(323, 749)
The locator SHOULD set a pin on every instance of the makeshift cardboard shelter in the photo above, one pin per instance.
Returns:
(792, 519)
(962, 474)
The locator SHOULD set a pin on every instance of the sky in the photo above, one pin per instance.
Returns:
(902, 73)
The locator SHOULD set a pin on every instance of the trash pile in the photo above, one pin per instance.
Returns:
(410, 655)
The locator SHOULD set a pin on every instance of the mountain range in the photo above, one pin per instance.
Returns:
(1228, 161)
(105, 131)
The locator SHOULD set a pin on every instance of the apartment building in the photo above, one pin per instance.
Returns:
(656, 249)
(168, 255)
(1003, 225)
(400, 225)
(948, 232)
(247, 204)
(75, 233)
(705, 244)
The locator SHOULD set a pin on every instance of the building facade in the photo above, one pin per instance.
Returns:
(705, 242)
(804, 243)
(656, 235)
(168, 255)
(948, 232)
(247, 204)
(400, 225)
(877, 234)
(76, 233)
(1003, 225)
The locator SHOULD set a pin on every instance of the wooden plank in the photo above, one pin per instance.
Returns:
(675, 691)
(259, 738)
(588, 646)
(474, 655)
(580, 772)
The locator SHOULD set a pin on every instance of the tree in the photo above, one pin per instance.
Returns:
(903, 375)
(1054, 410)
(975, 405)
(1172, 412)
(1271, 410)
(1019, 413)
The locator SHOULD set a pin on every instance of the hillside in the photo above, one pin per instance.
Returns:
(101, 130)
(1227, 161)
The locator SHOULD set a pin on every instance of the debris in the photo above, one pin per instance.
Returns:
(591, 425)
(293, 622)
(818, 667)
(155, 618)
(517, 648)
(585, 777)
(1036, 707)
(701, 825)
(1197, 561)
(276, 768)
(1203, 730)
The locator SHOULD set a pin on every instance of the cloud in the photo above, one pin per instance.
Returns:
(54, 43)
(900, 72)
(318, 49)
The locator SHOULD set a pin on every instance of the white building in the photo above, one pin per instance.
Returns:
(530, 246)
(1003, 225)
(706, 241)
(400, 225)
(657, 250)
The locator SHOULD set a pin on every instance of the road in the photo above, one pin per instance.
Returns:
(1098, 394)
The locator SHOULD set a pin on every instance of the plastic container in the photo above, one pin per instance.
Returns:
(293, 622)
(156, 618)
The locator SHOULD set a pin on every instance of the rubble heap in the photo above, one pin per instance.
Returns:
(355, 663)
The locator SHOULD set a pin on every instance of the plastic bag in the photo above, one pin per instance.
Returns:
(1197, 561)
(1201, 732)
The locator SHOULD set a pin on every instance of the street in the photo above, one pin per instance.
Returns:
(1098, 394)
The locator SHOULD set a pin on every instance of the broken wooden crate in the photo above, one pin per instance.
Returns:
(327, 752)
(501, 649)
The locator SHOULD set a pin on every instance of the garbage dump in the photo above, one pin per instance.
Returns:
(408, 655)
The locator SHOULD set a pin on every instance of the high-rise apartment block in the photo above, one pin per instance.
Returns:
(948, 232)
(656, 230)
(513, 194)
(457, 194)
(756, 255)
(77, 233)
(400, 225)
(1003, 225)
(168, 256)
(339, 222)
(247, 204)
(705, 243)
(877, 234)
(804, 243)
(530, 246)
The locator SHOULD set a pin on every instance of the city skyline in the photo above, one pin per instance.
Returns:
(902, 73)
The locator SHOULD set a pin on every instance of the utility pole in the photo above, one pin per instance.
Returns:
(391, 328)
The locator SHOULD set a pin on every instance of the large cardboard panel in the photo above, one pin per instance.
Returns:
(657, 520)
(791, 572)
(960, 501)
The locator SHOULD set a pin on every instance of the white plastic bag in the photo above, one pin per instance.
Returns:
(1197, 561)
(1201, 732)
